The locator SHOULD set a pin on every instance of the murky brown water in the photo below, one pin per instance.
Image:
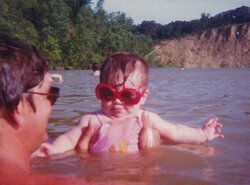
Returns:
(188, 96)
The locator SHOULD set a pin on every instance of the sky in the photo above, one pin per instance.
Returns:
(166, 11)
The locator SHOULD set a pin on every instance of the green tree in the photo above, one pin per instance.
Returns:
(52, 20)
(13, 21)
(69, 32)
(99, 4)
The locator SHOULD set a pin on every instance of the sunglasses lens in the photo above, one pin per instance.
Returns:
(130, 97)
(105, 93)
(126, 96)
(54, 93)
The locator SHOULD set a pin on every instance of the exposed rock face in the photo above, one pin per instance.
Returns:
(221, 47)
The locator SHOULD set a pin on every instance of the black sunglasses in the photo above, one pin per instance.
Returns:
(52, 95)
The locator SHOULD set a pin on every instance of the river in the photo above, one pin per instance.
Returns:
(190, 97)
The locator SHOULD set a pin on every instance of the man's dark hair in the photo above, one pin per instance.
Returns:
(22, 67)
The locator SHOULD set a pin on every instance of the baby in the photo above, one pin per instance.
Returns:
(118, 126)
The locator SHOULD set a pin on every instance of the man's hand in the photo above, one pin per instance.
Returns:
(148, 137)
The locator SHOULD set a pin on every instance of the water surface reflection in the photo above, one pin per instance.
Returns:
(190, 97)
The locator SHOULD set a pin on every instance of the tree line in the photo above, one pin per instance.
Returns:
(73, 34)
(178, 29)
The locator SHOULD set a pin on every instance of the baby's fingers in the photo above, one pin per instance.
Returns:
(212, 122)
(218, 132)
(48, 149)
(219, 135)
(212, 129)
(44, 150)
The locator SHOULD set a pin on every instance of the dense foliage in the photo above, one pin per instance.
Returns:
(73, 35)
(70, 33)
(181, 28)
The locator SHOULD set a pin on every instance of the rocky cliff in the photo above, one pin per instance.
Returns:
(221, 47)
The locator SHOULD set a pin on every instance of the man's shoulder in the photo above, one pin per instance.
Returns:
(12, 174)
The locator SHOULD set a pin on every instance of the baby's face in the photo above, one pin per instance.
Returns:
(116, 108)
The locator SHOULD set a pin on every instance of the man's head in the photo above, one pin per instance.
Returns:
(21, 68)
(95, 67)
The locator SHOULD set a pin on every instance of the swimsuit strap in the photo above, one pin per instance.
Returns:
(100, 115)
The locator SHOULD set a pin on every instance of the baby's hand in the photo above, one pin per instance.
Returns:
(44, 150)
(212, 129)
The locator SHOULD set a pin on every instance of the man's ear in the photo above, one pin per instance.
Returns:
(18, 114)
(144, 97)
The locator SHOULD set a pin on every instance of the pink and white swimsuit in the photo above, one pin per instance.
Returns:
(120, 136)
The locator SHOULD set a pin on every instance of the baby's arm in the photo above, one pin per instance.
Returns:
(183, 134)
(65, 142)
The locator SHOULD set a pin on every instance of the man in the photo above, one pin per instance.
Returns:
(26, 100)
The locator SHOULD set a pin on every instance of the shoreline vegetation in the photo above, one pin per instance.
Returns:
(73, 35)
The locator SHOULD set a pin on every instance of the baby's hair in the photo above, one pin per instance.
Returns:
(123, 64)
